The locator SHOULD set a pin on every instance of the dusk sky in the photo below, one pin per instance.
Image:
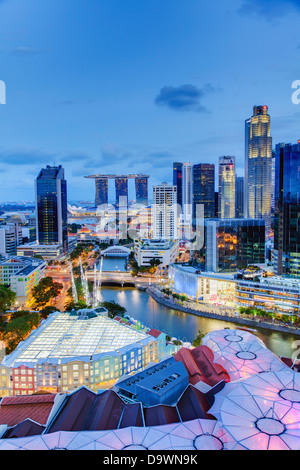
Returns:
(129, 86)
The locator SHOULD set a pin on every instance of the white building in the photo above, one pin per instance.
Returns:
(21, 274)
(10, 238)
(166, 251)
(165, 212)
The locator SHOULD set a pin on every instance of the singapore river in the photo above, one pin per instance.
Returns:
(185, 326)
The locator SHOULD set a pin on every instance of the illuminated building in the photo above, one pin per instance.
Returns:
(287, 210)
(73, 349)
(177, 181)
(239, 198)
(51, 207)
(164, 212)
(227, 188)
(258, 166)
(165, 251)
(204, 189)
(232, 244)
(187, 192)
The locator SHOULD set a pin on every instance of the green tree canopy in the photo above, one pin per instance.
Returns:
(7, 298)
(46, 290)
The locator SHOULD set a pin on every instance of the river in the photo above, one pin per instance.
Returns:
(185, 326)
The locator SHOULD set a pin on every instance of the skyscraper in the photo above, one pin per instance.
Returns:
(187, 193)
(204, 189)
(258, 166)
(239, 197)
(227, 178)
(177, 181)
(121, 184)
(164, 212)
(287, 210)
(141, 190)
(51, 207)
(101, 191)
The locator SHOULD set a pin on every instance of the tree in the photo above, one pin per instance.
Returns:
(7, 298)
(198, 340)
(18, 328)
(114, 309)
(71, 305)
(45, 291)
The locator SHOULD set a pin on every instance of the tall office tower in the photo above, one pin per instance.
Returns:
(141, 190)
(177, 181)
(204, 189)
(51, 207)
(187, 193)
(227, 178)
(239, 197)
(121, 184)
(258, 166)
(216, 204)
(287, 210)
(101, 191)
(164, 212)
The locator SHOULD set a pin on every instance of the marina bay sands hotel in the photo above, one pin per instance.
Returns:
(121, 185)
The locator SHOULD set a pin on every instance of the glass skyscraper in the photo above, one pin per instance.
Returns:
(258, 166)
(177, 181)
(232, 244)
(287, 210)
(239, 197)
(227, 188)
(121, 184)
(204, 189)
(51, 207)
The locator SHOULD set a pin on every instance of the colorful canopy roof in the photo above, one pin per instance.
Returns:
(261, 412)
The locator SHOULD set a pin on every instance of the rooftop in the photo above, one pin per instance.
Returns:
(69, 335)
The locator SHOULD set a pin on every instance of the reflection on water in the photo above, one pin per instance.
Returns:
(112, 263)
(185, 326)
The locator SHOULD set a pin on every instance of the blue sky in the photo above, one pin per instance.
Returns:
(109, 86)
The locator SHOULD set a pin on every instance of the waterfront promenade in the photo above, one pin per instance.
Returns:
(219, 313)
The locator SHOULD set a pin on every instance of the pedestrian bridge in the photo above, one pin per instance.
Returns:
(116, 251)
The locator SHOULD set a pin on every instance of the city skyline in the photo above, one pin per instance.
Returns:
(135, 88)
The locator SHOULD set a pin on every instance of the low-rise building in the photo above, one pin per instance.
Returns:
(165, 251)
(21, 274)
(72, 349)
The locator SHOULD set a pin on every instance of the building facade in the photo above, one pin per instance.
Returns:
(70, 350)
(227, 177)
(258, 166)
(164, 212)
(204, 189)
(165, 251)
(239, 198)
(177, 180)
(232, 244)
(51, 207)
(287, 210)
(10, 238)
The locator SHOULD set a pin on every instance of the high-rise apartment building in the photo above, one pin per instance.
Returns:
(287, 210)
(258, 166)
(51, 207)
(164, 212)
(204, 189)
(227, 177)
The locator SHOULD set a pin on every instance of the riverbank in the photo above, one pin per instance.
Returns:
(222, 316)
